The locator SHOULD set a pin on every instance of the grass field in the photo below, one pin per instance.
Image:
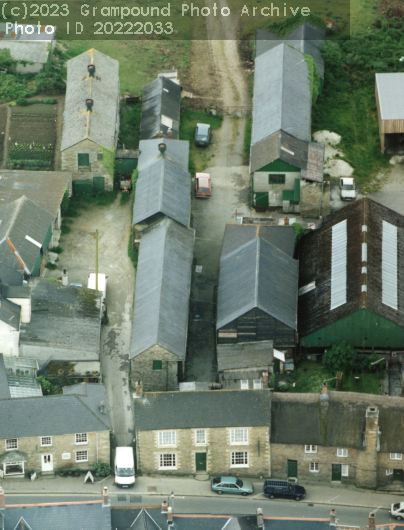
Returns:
(129, 132)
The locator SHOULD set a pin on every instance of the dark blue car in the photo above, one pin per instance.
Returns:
(202, 134)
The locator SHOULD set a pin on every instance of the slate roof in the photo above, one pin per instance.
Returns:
(47, 416)
(235, 235)
(390, 90)
(306, 38)
(102, 123)
(244, 355)
(45, 188)
(161, 101)
(4, 390)
(163, 188)
(163, 283)
(203, 409)
(177, 152)
(315, 257)
(9, 276)
(93, 395)
(85, 516)
(10, 313)
(257, 274)
(18, 220)
(63, 317)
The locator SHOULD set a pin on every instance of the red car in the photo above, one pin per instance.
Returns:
(202, 185)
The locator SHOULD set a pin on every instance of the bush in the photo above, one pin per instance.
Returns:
(49, 101)
(22, 102)
(57, 250)
(65, 228)
(125, 196)
(340, 358)
(299, 231)
(102, 470)
(51, 266)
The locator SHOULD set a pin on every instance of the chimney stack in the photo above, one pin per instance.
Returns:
(89, 104)
(164, 507)
(65, 279)
(372, 521)
(162, 148)
(260, 518)
(170, 516)
(332, 518)
(169, 133)
(324, 393)
(265, 380)
(91, 70)
(139, 389)
(105, 500)
(2, 505)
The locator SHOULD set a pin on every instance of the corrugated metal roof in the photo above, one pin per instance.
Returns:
(389, 265)
(235, 235)
(315, 163)
(177, 152)
(282, 97)
(161, 105)
(163, 188)
(101, 125)
(390, 88)
(338, 264)
(163, 283)
(257, 274)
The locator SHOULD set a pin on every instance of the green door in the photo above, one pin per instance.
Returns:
(336, 473)
(200, 461)
(82, 186)
(261, 199)
(292, 468)
(398, 474)
(98, 184)
(277, 366)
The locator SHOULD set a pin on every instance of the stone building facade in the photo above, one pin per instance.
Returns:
(157, 367)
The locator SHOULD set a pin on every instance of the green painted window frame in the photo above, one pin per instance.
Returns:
(276, 178)
(157, 365)
(83, 159)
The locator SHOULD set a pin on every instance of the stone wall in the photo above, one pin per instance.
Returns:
(98, 448)
(367, 459)
(9, 338)
(96, 168)
(218, 452)
(275, 191)
(155, 380)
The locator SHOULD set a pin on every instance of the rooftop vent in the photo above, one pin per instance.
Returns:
(89, 104)
(162, 147)
(91, 70)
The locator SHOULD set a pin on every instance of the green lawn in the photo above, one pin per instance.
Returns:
(199, 157)
(309, 377)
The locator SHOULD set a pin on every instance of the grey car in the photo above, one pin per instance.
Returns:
(232, 485)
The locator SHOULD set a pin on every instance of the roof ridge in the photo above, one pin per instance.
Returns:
(257, 270)
(165, 225)
(364, 263)
(88, 408)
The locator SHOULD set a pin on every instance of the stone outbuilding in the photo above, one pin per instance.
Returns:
(390, 110)
(91, 121)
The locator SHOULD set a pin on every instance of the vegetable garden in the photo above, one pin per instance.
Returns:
(32, 140)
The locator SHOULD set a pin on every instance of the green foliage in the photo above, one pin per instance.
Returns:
(57, 250)
(71, 211)
(65, 228)
(299, 231)
(6, 61)
(133, 253)
(102, 469)
(62, 471)
(102, 198)
(49, 101)
(285, 26)
(108, 161)
(340, 358)
(65, 201)
(314, 78)
(22, 102)
(129, 127)
(51, 266)
(48, 388)
(125, 196)
(247, 137)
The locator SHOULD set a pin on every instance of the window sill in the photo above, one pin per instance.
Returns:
(81, 443)
(201, 445)
(238, 443)
(167, 468)
(239, 465)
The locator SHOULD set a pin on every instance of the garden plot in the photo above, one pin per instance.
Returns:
(32, 138)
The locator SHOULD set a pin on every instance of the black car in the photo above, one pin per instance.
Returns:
(282, 488)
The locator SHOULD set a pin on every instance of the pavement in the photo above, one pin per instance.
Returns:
(326, 494)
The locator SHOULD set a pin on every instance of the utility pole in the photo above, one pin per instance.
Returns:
(96, 260)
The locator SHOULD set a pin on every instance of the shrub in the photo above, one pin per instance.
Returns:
(299, 231)
(22, 102)
(340, 358)
(51, 266)
(102, 470)
(65, 228)
(57, 250)
(49, 101)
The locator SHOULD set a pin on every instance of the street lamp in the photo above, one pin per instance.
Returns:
(172, 501)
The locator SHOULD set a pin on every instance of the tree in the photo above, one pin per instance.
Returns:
(340, 358)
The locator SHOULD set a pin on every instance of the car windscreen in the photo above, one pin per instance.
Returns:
(239, 483)
(125, 472)
(204, 138)
(347, 187)
(396, 506)
(203, 190)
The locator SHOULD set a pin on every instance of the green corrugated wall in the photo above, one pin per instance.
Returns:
(360, 329)
(45, 244)
(280, 165)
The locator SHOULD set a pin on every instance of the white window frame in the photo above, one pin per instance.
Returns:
(344, 470)
(246, 459)
(43, 439)
(233, 435)
(257, 384)
(81, 453)
(173, 457)
(11, 444)
(342, 453)
(396, 456)
(196, 436)
(173, 439)
(244, 384)
(310, 449)
(314, 467)
(81, 438)
(389, 471)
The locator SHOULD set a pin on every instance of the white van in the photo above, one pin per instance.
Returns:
(397, 510)
(124, 467)
(102, 284)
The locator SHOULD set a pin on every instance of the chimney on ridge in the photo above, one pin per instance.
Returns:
(170, 516)
(324, 393)
(65, 279)
(260, 518)
(162, 148)
(89, 104)
(105, 500)
(332, 518)
(91, 70)
(265, 380)
(372, 521)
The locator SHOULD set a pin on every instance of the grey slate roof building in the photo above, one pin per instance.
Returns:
(163, 283)
(306, 38)
(54, 415)
(10, 313)
(350, 283)
(93, 396)
(161, 103)
(45, 188)
(162, 188)
(101, 125)
(25, 227)
(235, 235)
(177, 152)
(9, 276)
(203, 409)
(65, 323)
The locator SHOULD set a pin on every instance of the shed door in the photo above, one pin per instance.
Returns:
(200, 461)
(292, 468)
(98, 184)
(82, 186)
(261, 199)
(336, 473)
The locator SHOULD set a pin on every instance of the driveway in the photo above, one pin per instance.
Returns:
(113, 223)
